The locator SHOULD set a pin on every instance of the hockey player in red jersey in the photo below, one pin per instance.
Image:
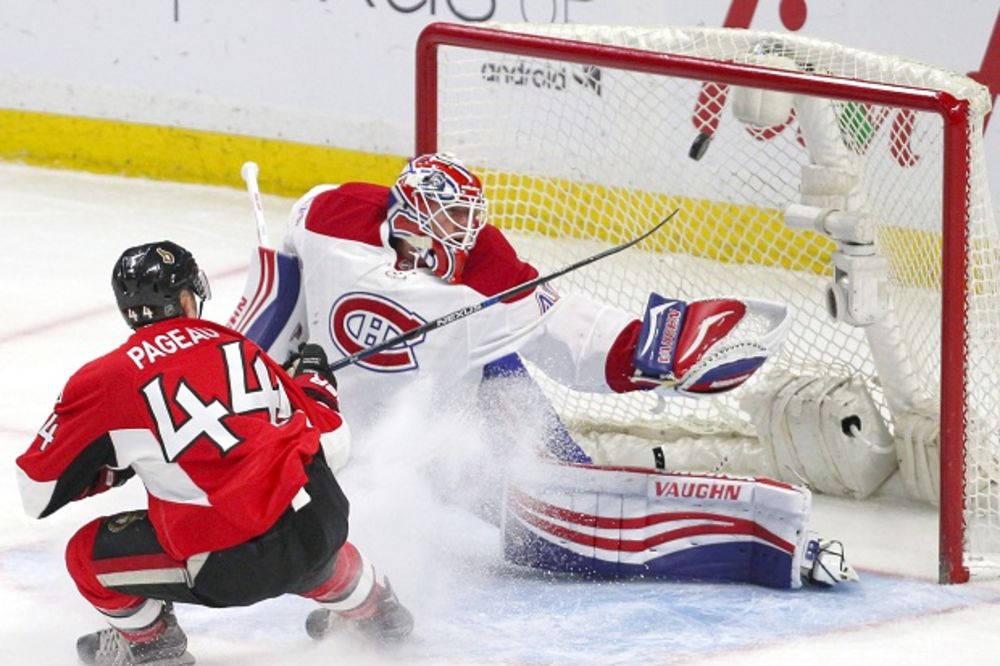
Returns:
(241, 503)
(362, 263)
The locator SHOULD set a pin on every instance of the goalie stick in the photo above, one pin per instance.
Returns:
(462, 313)
(265, 312)
(249, 172)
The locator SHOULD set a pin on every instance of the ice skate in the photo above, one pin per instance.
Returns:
(391, 621)
(109, 647)
(825, 565)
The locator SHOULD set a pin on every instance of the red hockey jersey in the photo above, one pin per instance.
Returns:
(217, 431)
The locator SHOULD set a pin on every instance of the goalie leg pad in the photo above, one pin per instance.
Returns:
(271, 311)
(625, 522)
(823, 431)
(508, 392)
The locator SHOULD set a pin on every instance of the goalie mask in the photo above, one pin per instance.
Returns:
(437, 200)
(148, 280)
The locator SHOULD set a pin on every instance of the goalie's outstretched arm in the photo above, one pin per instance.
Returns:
(464, 312)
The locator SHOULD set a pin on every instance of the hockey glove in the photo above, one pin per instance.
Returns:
(107, 478)
(706, 346)
(310, 370)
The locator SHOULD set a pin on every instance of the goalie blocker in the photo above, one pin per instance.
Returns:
(614, 522)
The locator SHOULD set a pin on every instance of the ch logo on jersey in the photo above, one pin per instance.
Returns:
(360, 320)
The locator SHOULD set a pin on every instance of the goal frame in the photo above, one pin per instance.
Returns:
(954, 113)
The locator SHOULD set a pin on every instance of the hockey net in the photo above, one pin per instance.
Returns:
(587, 135)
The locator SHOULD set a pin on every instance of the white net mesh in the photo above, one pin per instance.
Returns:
(588, 156)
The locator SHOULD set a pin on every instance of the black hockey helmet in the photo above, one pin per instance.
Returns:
(148, 280)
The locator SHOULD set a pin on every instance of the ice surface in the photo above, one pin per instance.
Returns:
(61, 234)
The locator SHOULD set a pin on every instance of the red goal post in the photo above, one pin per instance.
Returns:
(525, 80)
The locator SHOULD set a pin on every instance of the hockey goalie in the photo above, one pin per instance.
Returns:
(363, 263)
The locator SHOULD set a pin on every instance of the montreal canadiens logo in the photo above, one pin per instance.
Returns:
(359, 320)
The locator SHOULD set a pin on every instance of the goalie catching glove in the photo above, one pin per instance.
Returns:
(706, 346)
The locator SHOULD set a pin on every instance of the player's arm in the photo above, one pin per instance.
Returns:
(310, 372)
(696, 348)
(567, 336)
(706, 346)
(72, 456)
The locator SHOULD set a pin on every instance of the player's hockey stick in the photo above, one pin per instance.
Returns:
(462, 313)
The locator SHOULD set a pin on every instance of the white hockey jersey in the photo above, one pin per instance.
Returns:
(356, 296)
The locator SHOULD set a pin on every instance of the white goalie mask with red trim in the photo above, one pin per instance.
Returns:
(438, 200)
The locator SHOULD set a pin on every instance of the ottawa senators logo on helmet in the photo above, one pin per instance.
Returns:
(148, 279)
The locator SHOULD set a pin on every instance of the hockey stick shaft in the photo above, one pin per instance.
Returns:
(249, 172)
(462, 313)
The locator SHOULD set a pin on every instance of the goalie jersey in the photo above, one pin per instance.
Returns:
(218, 434)
(357, 294)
